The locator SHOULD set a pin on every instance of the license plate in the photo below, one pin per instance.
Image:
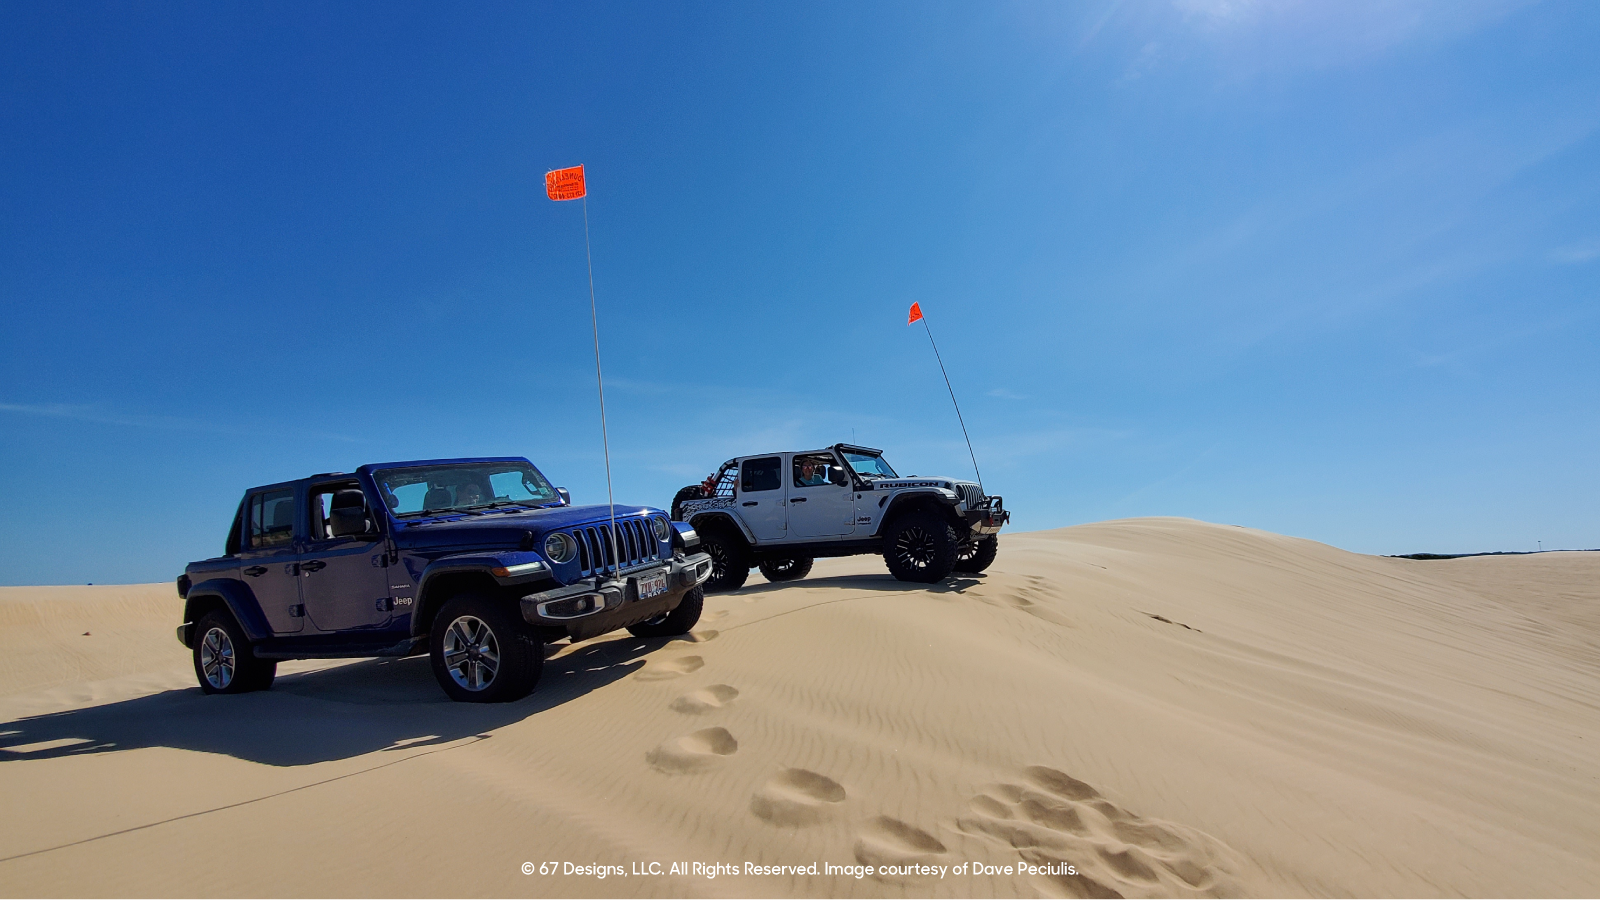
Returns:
(652, 585)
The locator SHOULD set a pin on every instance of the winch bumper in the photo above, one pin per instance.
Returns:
(596, 606)
(989, 518)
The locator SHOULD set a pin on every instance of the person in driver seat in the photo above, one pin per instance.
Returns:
(469, 494)
(812, 473)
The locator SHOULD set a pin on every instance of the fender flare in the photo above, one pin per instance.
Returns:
(426, 604)
(903, 500)
(715, 517)
(236, 597)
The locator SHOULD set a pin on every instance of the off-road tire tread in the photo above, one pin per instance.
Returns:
(945, 547)
(801, 569)
(521, 649)
(249, 673)
(682, 618)
(737, 567)
(983, 557)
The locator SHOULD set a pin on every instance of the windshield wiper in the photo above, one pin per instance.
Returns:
(447, 511)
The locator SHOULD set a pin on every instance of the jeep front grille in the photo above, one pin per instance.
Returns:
(635, 543)
(971, 494)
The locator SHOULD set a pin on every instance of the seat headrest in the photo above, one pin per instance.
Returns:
(281, 515)
(348, 499)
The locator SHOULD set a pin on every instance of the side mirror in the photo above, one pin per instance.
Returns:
(565, 497)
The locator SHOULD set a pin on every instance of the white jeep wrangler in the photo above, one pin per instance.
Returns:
(779, 511)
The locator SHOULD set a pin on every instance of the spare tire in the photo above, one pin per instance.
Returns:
(692, 492)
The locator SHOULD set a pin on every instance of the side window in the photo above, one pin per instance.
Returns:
(271, 519)
(764, 474)
(814, 469)
(338, 504)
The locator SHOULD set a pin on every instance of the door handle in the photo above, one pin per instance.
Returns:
(253, 571)
(750, 502)
(313, 566)
(797, 499)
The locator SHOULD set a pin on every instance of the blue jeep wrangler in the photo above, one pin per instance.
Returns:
(476, 562)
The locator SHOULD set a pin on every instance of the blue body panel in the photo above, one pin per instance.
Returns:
(371, 591)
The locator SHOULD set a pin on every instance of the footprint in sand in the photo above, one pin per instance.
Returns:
(713, 615)
(670, 668)
(797, 797)
(890, 842)
(693, 752)
(698, 637)
(1053, 819)
(706, 699)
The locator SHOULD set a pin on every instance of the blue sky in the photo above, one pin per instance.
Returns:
(1324, 269)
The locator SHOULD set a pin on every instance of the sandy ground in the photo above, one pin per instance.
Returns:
(1172, 707)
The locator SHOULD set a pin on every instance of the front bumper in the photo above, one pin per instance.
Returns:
(596, 606)
(989, 518)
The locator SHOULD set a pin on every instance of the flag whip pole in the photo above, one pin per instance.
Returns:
(605, 440)
(924, 317)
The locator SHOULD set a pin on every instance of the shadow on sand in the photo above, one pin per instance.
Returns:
(312, 717)
(954, 584)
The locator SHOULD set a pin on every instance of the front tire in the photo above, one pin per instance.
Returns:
(730, 562)
(976, 555)
(920, 547)
(223, 661)
(671, 624)
(482, 651)
(785, 569)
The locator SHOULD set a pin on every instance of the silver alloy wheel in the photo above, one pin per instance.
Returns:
(914, 546)
(217, 659)
(471, 653)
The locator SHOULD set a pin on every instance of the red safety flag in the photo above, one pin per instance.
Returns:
(916, 313)
(565, 184)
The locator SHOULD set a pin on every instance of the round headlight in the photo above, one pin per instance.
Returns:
(660, 527)
(560, 548)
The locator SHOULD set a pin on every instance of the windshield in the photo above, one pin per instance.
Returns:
(869, 466)
(430, 490)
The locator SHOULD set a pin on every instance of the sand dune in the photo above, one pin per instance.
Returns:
(1171, 707)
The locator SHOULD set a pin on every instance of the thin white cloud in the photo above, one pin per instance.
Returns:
(99, 416)
(1313, 33)
(1578, 253)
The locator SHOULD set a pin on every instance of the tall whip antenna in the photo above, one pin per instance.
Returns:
(917, 313)
(568, 184)
(600, 383)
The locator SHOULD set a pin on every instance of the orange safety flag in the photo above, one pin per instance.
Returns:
(565, 184)
(916, 313)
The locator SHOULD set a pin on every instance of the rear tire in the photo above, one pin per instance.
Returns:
(920, 547)
(976, 555)
(785, 569)
(682, 618)
(730, 560)
(223, 661)
(482, 651)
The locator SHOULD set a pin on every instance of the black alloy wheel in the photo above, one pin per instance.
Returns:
(785, 569)
(976, 554)
(729, 564)
(921, 547)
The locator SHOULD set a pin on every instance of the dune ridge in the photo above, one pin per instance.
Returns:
(1172, 707)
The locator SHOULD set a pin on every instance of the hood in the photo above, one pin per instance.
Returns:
(495, 529)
